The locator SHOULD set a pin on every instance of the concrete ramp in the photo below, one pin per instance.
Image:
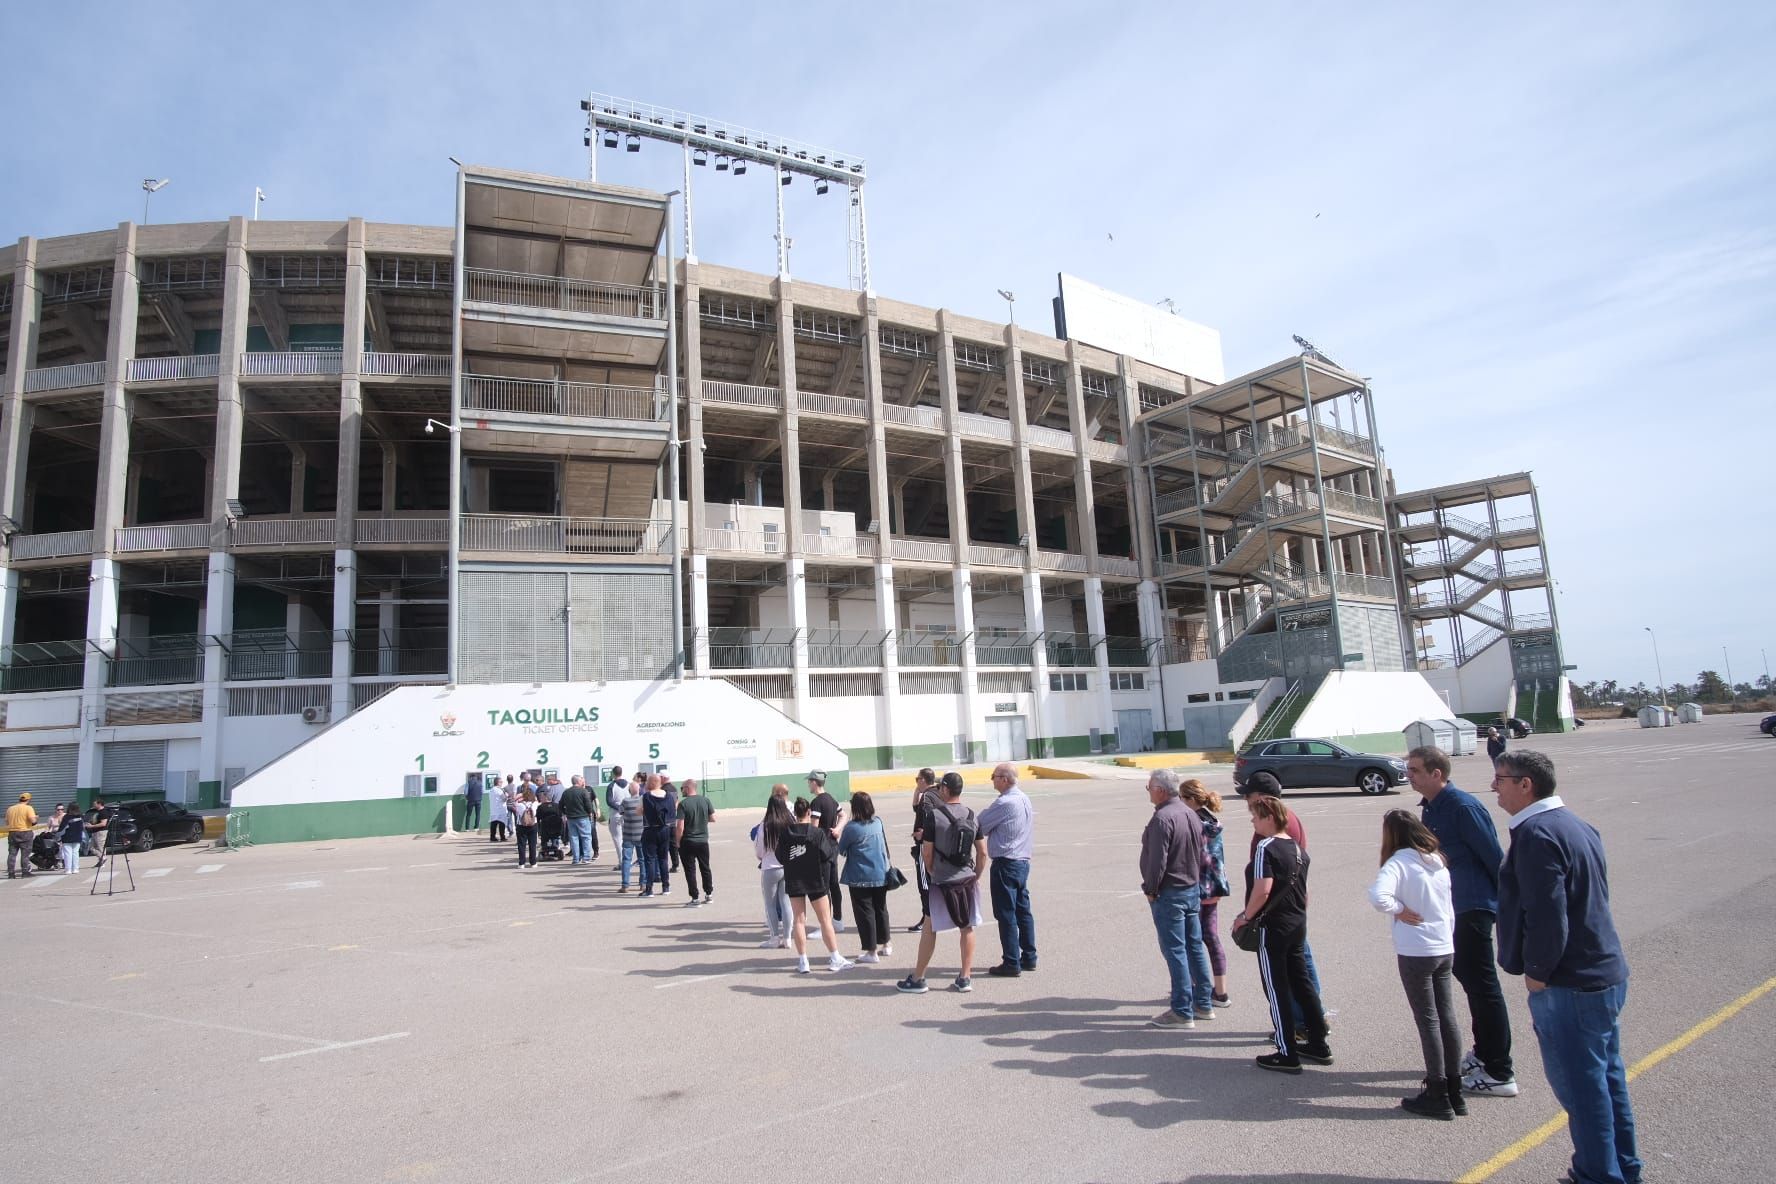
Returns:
(402, 764)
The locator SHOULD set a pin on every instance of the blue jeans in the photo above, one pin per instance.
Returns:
(1581, 1038)
(1177, 917)
(631, 852)
(579, 839)
(1009, 880)
(656, 849)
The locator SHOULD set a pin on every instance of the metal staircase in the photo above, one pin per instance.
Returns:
(1280, 719)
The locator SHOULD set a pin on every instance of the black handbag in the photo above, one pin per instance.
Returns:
(894, 878)
(1246, 937)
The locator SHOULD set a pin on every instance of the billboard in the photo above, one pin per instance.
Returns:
(1123, 325)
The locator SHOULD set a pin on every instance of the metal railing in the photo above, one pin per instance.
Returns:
(1516, 524)
(741, 542)
(290, 365)
(843, 648)
(831, 404)
(919, 417)
(61, 378)
(402, 530)
(742, 393)
(1329, 436)
(1106, 450)
(392, 365)
(1005, 649)
(984, 427)
(579, 400)
(1300, 585)
(990, 555)
(282, 532)
(43, 666)
(256, 654)
(1070, 649)
(1352, 505)
(173, 369)
(1126, 652)
(916, 647)
(49, 546)
(1173, 562)
(1118, 565)
(399, 652)
(156, 661)
(166, 536)
(525, 290)
(920, 550)
(1171, 503)
(1038, 436)
(839, 546)
(565, 536)
(751, 649)
(1060, 561)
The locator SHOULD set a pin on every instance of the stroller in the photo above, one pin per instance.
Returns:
(46, 852)
(551, 832)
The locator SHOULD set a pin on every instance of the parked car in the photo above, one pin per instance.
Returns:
(158, 823)
(1315, 764)
(1513, 728)
(1768, 727)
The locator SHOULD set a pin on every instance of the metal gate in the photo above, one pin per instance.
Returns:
(1007, 738)
(43, 769)
(135, 766)
(1134, 730)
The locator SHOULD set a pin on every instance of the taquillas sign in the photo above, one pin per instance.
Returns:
(529, 716)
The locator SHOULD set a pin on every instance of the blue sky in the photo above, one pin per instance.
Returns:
(1545, 231)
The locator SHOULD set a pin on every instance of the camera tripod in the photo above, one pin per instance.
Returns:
(112, 856)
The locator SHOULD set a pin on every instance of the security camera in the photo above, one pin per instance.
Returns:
(429, 428)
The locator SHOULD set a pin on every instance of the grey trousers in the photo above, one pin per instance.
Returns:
(1430, 992)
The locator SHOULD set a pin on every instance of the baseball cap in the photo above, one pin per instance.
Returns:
(25, 797)
(952, 782)
(818, 775)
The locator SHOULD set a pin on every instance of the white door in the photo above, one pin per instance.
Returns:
(1134, 730)
(1007, 738)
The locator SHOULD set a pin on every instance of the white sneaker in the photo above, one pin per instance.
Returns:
(838, 962)
(886, 952)
(838, 926)
(866, 959)
(770, 943)
(801, 966)
(1470, 1062)
(1483, 1083)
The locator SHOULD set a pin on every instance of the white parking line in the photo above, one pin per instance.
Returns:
(334, 1047)
(152, 872)
(698, 978)
(207, 868)
(366, 869)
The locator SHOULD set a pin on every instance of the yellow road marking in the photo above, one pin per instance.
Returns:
(518, 924)
(1543, 1133)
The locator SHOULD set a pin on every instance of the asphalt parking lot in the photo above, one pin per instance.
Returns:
(418, 1009)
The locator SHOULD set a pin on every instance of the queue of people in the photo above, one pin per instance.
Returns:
(71, 833)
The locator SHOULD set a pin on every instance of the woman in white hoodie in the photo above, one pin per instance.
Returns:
(1413, 888)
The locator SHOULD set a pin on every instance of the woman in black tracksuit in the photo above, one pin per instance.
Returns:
(1276, 902)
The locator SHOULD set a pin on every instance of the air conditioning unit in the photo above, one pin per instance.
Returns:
(315, 715)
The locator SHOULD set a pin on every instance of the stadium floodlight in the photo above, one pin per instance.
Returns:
(150, 187)
(699, 157)
(739, 167)
(610, 139)
(721, 164)
(820, 185)
(634, 144)
(787, 177)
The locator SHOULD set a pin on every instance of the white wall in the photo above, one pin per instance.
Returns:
(1352, 703)
(43, 711)
(252, 742)
(369, 754)
(1483, 684)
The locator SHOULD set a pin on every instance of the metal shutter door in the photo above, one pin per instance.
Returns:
(42, 769)
(136, 766)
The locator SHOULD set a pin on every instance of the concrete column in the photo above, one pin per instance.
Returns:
(1022, 491)
(391, 473)
(345, 619)
(796, 588)
(115, 411)
(386, 620)
(881, 512)
(827, 482)
(351, 390)
(1086, 542)
(230, 408)
(298, 477)
(1094, 625)
(899, 506)
(691, 333)
(700, 614)
(1043, 732)
(15, 416)
(218, 622)
(1140, 493)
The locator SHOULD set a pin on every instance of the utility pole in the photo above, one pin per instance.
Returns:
(1732, 695)
(1657, 665)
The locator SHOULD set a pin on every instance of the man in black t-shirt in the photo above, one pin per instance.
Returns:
(98, 828)
(827, 813)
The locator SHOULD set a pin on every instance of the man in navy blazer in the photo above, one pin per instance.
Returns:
(1556, 931)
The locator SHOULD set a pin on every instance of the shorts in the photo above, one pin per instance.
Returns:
(955, 905)
(805, 889)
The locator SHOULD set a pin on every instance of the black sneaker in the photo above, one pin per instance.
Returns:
(911, 986)
(1276, 1062)
(1005, 970)
(1317, 1053)
(1028, 967)
(963, 985)
(916, 926)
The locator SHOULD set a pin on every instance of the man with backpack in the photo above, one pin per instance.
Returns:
(614, 793)
(954, 854)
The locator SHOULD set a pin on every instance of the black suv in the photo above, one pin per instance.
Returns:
(157, 823)
(1314, 764)
(1768, 727)
(1513, 728)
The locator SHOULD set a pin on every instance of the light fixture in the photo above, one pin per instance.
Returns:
(721, 164)
(820, 185)
(610, 139)
(788, 177)
(739, 167)
(699, 157)
(634, 144)
(233, 509)
(432, 425)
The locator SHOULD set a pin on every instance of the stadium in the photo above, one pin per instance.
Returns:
(436, 502)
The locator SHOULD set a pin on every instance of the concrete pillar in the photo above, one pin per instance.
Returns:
(345, 619)
(218, 622)
(691, 333)
(386, 620)
(1141, 516)
(699, 568)
(1042, 734)
(827, 482)
(1094, 625)
(230, 408)
(298, 477)
(1085, 536)
(955, 492)
(390, 474)
(755, 489)
(15, 416)
(351, 389)
(882, 513)
(899, 506)
(791, 453)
